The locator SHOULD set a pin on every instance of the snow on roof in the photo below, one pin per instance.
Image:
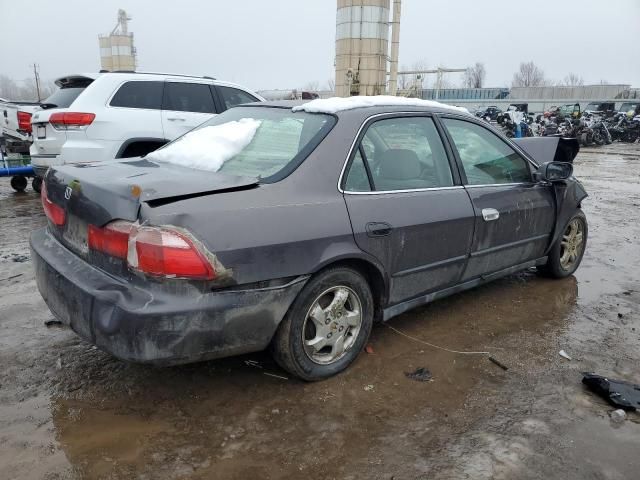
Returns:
(338, 104)
(209, 147)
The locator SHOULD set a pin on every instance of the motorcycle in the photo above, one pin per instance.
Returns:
(515, 124)
(593, 130)
(625, 128)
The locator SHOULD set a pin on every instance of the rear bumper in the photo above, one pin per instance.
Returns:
(42, 162)
(153, 324)
(83, 150)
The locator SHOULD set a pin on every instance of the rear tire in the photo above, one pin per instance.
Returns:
(19, 183)
(567, 252)
(327, 325)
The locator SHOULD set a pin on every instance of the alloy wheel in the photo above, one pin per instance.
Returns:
(572, 244)
(332, 325)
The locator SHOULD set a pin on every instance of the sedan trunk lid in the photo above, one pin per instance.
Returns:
(99, 193)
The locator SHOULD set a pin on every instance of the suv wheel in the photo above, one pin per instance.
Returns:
(327, 326)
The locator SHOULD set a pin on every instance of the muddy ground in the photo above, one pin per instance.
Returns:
(68, 410)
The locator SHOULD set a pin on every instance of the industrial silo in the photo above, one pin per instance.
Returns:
(116, 49)
(362, 43)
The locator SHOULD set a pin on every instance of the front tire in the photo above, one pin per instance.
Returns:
(327, 325)
(567, 252)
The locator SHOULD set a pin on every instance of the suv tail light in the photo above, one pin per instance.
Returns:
(155, 251)
(71, 120)
(24, 121)
(53, 212)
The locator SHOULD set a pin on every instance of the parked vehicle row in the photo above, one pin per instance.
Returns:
(95, 117)
(596, 125)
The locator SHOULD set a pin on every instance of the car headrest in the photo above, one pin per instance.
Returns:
(399, 164)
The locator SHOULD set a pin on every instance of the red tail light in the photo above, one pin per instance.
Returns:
(155, 251)
(53, 212)
(71, 120)
(24, 121)
(112, 239)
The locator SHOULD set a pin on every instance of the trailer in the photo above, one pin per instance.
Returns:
(19, 168)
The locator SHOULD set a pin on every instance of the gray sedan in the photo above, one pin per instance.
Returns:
(306, 227)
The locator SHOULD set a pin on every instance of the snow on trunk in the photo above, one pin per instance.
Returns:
(209, 147)
(337, 104)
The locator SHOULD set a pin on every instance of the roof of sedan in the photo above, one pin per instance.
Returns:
(381, 104)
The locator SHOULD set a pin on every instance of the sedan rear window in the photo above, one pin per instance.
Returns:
(264, 142)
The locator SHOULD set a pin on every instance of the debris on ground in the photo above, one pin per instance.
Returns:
(619, 393)
(498, 363)
(11, 277)
(369, 349)
(52, 322)
(618, 416)
(420, 374)
(59, 364)
(368, 388)
(252, 363)
(564, 354)
(275, 376)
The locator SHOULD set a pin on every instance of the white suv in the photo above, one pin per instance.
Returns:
(125, 114)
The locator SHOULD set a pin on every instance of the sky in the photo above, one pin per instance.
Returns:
(284, 44)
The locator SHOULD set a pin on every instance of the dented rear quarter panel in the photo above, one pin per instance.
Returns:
(276, 230)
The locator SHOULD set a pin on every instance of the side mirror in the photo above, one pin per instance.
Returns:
(553, 172)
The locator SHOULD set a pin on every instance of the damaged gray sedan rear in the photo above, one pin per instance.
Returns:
(316, 225)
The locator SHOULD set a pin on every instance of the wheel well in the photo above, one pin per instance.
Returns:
(374, 278)
(138, 148)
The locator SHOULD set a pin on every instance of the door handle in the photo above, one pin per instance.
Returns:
(378, 229)
(490, 214)
(176, 119)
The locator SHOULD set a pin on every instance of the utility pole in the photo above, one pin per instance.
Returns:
(37, 77)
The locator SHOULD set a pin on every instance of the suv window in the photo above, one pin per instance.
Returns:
(402, 153)
(139, 94)
(232, 96)
(188, 97)
(485, 157)
(63, 97)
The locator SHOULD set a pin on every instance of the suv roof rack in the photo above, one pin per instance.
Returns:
(159, 73)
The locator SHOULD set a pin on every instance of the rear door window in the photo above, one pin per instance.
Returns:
(486, 158)
(139, 94)
(188, 97)
(404, 153)
(233, 96)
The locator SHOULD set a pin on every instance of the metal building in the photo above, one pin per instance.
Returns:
(116, 49)
(362, 46)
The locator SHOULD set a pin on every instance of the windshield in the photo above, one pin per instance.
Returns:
(63, 97)
(628, 106)
(263, 142)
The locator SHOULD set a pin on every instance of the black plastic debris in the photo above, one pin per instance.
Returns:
(498, 363)
(420, 374)
(619, 393)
